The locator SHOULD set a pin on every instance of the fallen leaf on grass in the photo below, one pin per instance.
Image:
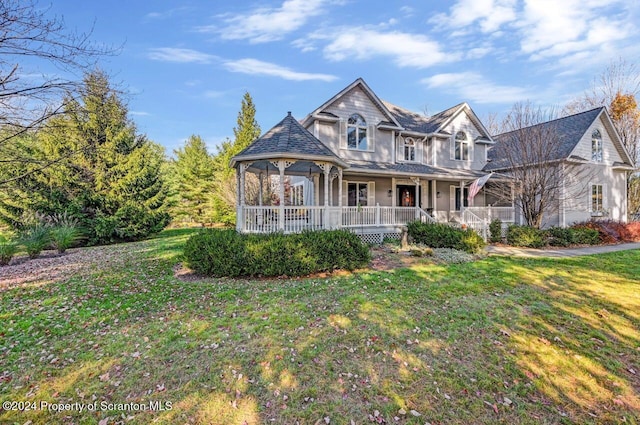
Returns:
(493, 406)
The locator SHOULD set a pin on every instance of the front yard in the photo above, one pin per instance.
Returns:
(500, 340)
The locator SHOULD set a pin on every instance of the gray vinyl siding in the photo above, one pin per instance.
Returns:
(578, 183)
(357, 102)
(609, 152)
(461, 122)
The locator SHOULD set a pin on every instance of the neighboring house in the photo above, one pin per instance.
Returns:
(592, 163)
(359, 162)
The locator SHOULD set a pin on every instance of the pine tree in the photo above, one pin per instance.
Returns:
(246, 131)
(103, 172)
(193, 173)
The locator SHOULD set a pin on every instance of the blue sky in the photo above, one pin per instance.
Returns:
(188, 63)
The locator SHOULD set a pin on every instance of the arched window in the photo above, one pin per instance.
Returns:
(409, 149)
(357, 133)
(596, 146)
(461, 146)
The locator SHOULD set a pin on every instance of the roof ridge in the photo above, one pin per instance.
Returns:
(551, 121)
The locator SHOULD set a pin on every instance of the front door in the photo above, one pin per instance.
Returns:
(406, 196)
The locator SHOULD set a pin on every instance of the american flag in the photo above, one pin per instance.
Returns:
(476, 186)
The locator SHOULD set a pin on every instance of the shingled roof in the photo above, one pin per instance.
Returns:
(414, 122)
(287, 139)
(569, 130)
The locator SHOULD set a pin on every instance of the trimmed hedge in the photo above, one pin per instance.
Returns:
(530, 237)
(227, 253)
(525, 236)
(438, 235)
(495, 231)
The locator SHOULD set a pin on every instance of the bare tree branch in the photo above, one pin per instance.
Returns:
(31, 41)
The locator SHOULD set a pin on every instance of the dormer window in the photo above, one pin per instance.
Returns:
(596, 146)
(409, 149)
(357, 133)
(461, 146)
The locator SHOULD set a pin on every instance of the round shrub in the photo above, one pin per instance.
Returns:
(560, 236)
(584, 235)
(525, 236)
(439, 235)
(495, 231)
(215, 253)
(229, 253)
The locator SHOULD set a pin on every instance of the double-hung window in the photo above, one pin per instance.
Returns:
(597, 198)
(357, 194)
(357, 133)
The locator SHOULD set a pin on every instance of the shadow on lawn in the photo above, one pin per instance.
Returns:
(496, 341)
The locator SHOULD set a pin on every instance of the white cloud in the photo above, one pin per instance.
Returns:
(405, 49)
(475, 88)
(490, 15)
(269, 24)
(258, 67)
(139, 113)
(550, 28)
(174, 54)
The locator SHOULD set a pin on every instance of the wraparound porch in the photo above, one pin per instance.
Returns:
(364, 220)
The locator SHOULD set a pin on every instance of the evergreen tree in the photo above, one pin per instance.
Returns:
(101, 171)
(246, 131)
(193, 174)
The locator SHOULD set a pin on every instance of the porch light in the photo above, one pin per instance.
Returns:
(438, 195)
(390, 193)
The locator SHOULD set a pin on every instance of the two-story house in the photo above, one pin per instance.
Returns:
(362, 163)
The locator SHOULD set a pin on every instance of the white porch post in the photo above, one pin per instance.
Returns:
(340, 187)
(281, 167)
(260, 188)
(316, 190)
(326, 185)
(434, 197)
(461, 195)
(393, 192)
(239, 221)
(326, 169)
(417, 196)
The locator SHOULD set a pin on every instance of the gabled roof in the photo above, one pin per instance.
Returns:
(287, 139)
(318, 112)
(569, 131)
(414, 122)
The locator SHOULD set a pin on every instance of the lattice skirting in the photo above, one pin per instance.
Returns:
(378, 237)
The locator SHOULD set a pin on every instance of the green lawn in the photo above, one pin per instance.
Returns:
(500, 340)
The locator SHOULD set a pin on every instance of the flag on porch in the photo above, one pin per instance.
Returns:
(476, 186)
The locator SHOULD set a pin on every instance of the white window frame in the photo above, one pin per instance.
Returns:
(409, 144)
(596, 146)
(465, 146)
(597, 199)
(359, 125)
(359, 186)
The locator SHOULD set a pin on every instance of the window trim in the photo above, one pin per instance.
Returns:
(406, 146)
(358, 187)
(360, 124)
(464, 142)
(597, 193)
(597, 154)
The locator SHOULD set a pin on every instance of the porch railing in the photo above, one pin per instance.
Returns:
(475, 222)
(296, 219)
(379, 216)
(505, 214)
